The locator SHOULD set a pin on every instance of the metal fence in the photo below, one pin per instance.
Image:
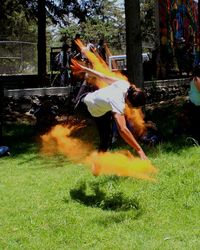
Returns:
(17, 57)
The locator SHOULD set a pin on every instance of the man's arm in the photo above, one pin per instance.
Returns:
(80, 68)
(127, 135)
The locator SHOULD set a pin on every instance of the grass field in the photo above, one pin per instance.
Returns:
(52, 203)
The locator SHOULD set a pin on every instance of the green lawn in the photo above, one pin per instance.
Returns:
(52, 203)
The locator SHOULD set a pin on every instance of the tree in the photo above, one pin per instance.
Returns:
(198, 31)
(134, 42)
(15, 23)
(83, 11)
(104, 19)
(148, 20)
(1, 114)
(41, 41)
(17, 17)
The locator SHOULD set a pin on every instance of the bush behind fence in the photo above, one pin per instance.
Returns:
(17, 57)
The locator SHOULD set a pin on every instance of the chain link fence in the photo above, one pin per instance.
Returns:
(17, 57)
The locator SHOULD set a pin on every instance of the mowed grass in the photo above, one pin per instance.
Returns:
(52, 203)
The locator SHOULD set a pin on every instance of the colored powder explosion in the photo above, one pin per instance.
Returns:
(134, 116)
(99, 64)
(60, 140)
(121, 164)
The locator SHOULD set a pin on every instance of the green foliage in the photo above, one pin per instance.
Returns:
(147, 12)
(18, 20)
(14, 22)
(109, 23)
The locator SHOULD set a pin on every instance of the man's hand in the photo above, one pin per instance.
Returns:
(76, 67)
(127, 135)
(142, 155)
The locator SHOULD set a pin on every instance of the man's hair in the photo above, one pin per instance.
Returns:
(136, 96)
(65, 46)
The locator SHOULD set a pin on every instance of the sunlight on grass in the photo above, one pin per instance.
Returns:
(52, 203)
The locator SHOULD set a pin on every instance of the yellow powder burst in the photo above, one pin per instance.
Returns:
(98, 63)
(120, 164)
(136, 119)
(60, 140)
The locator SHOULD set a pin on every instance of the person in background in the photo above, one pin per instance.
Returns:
(91, 45)
(194, 92)
(109, 103)
(101, 49)
(64, 58)
(194, 102)
(92, 48)
(189, 118)
(75, 50)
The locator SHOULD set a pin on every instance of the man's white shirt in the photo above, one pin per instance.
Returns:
(110, 98)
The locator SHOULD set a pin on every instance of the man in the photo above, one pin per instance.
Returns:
(101, 49)
(194, 103)
(63, 59)
(91, 45)
(75, 50)
(109, 102)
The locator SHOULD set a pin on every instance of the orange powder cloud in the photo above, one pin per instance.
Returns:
(99, 64)
(60, 140)
(120, 164)
(135, 117)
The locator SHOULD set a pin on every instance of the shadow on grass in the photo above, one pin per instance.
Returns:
(20, 138)
(174, 133)
(172, 145)
(23, 138)
(90, 194)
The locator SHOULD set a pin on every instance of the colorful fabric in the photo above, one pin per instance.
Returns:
(178, 20)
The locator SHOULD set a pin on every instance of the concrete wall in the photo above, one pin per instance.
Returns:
(19, 81)
(156, 90)
(164, 90)
(23, 100)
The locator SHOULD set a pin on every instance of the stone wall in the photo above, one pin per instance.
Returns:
(166, 89)
(23, 100)
(19, 81)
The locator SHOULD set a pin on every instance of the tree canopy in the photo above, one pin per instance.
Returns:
(18, 18)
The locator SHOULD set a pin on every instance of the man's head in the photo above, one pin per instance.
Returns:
(136, 97)
(65, 46)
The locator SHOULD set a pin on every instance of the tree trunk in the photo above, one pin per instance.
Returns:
(41, 42)
(198, 29)
(157, 23)
(1, 113)
(134, 42)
